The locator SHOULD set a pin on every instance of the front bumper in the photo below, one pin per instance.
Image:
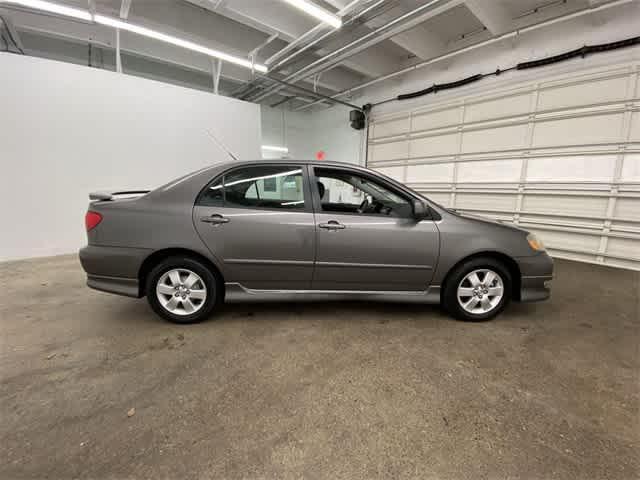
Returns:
(535, 289)
(537, 273)
(113, 269)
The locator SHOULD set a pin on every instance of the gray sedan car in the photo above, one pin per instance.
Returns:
(299, 230)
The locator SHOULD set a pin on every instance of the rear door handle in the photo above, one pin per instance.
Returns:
(215, 219)
(332, 225)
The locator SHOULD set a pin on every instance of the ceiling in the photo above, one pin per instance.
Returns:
(378, 37)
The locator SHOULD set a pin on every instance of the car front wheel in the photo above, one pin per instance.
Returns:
(477, 290)
(182, 290)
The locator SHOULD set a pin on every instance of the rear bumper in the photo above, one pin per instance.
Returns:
(537, 273)
(120, 286)
(113, 269)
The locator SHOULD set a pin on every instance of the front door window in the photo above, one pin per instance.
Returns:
(343, 191)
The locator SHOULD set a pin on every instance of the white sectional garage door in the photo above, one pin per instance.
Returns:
(559, 157)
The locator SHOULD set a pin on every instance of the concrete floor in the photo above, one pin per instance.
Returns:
(352, 390)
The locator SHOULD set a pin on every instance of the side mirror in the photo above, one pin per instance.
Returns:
(420, 210)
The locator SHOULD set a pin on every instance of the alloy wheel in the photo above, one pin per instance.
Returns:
(480, 291)
(181, 291)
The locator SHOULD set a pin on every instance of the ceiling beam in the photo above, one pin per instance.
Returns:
(419, 41)
(254, 15)
(84, 33)
(125, 6)
(491, 14)
(513, 33)
(289, 25)
(399, 25)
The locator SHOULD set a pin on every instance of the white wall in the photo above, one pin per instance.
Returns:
(305, 133)
(67, 130)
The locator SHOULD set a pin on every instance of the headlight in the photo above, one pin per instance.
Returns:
(535, 243)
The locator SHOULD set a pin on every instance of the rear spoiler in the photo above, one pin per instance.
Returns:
(107, 196)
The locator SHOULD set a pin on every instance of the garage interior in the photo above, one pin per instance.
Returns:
(526, 112)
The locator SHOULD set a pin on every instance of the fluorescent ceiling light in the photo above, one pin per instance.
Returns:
(130, 27)
(53, 8)
(272, 148)
(163, 37)
(315, 11)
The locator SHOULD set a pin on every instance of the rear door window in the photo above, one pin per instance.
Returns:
(262, 186)
(213, 195)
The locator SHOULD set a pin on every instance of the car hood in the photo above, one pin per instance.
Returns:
(485, 220)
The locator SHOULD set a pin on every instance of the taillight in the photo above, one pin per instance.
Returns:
(91, 220)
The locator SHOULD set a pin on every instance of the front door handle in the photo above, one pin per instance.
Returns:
(332, 225)
(215, 219)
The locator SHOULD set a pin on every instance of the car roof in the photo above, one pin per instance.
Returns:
(285, 161)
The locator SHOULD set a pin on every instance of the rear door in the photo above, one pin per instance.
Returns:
(367, 238)
(258, 220)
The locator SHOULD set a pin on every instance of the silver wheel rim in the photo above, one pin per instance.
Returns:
(181, 291)
(480, 291)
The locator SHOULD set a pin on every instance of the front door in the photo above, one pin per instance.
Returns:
(367, 238)
(258, 220)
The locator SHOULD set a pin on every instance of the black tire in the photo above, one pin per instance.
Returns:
(212, 284)
(450, 293)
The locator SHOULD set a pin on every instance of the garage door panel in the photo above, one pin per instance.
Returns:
(624, 247)
(500, 107)
(476, 201)
(628, 208)
(621, 263)
(631, 168)
(572, 168)
(390, 128)
(570, 255)
(443, 199)
(434, 145)
(565, 205)
(578, 130)
(583, 93)
(625, 227)
(558, 220)
(494, 139)
(397, 173)
(437, 172)
(443, 118)
(389, 151)
(558, 155)
(490, 171)
(569, 240)
(635, 127)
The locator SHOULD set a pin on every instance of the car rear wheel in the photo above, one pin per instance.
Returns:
(182, 290)
(477, 290)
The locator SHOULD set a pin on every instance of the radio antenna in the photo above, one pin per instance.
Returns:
(221, 145)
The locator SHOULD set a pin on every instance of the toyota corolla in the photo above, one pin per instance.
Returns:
(299, 230)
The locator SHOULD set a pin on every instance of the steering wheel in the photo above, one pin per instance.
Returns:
(385, 209)
(363, 206)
